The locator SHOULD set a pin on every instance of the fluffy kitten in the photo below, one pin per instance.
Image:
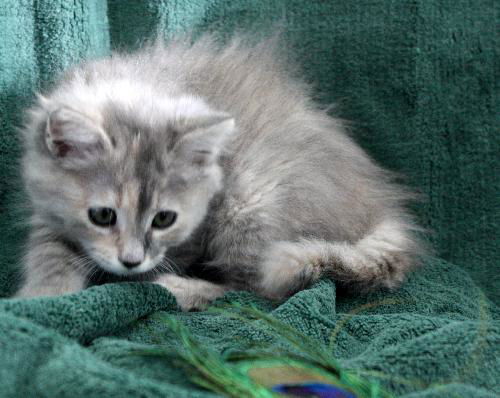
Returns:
(194, 156)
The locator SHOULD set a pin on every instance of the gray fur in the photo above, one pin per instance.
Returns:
(268, 187)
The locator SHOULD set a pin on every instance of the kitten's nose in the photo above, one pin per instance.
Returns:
(130, 264)
(132, 255)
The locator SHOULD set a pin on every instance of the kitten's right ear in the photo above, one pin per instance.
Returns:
(206, 139)
(74, 139)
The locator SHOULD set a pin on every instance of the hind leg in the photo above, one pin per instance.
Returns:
(380, 259)
(288, 267)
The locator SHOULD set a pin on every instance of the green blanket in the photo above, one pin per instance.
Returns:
(419, 81)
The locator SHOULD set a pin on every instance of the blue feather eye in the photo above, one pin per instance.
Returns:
(319, 390)
(102, 216)
(164, 219)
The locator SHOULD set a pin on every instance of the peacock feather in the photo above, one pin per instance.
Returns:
(306, 370)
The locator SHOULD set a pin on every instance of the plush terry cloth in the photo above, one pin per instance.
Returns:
(418, 80)
(438, 336)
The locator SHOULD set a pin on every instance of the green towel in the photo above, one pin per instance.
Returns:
(419, 81)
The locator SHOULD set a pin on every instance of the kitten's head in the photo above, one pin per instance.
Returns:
(126, 180)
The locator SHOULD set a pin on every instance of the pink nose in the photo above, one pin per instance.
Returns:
(132, 253)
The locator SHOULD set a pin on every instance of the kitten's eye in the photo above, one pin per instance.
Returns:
(164, 219)
(102, 216)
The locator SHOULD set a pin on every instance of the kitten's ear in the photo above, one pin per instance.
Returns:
(206, 138)
(74, 139)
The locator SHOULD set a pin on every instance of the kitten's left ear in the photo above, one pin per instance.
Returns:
(206, 138)
(74, 139)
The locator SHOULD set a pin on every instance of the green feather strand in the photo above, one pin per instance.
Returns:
(206, 368)
(311, 351)
(228, 376)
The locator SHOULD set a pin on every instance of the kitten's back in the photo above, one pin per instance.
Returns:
(288, 149)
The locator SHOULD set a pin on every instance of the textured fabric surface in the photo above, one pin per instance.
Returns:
(419, 81)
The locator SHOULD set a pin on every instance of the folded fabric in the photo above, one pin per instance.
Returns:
(438, 336)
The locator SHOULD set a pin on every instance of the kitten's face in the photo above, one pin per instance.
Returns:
(127, 226)
(127, 188)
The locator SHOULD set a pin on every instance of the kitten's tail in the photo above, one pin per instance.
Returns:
(381, 259)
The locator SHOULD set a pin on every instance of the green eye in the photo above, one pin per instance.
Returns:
(164, 219)
(102, 216)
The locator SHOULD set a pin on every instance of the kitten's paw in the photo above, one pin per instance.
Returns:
(287, 268)
(379, 265)
(191, 302)
(392, 269)
(191, 294)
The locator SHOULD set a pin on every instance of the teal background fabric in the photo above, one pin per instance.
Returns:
(419, 82)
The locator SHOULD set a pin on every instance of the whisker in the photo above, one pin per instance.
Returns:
(175, 268)
(165, 266)
(93, 271)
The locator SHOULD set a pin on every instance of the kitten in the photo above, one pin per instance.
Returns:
(195, 156)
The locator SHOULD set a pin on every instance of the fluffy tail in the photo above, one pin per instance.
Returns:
(380, 259)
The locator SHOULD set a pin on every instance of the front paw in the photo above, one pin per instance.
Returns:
(192, 303)
(191, 294)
